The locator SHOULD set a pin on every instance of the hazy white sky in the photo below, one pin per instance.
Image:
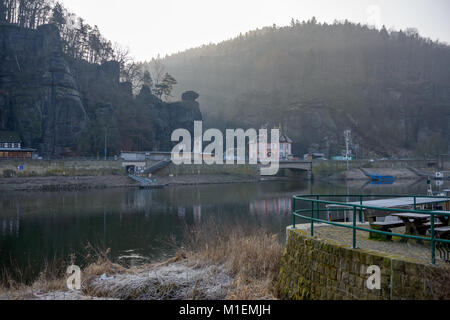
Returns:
(149, 27)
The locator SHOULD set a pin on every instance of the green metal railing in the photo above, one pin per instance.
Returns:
(314, 210)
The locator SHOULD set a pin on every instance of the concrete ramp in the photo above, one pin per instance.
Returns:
(146, 183)
(158, 166)
(141, 180)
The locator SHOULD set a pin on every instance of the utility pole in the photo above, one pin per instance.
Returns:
(347, 134)
(106, 150)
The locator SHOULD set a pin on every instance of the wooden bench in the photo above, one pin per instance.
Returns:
(387, 225)
(443, 248)
(437, 224)
(443, 218)
(442, 232)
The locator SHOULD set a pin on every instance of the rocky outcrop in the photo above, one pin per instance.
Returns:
(40, 98)
(189, 96)
(39, 95)
(66, 107)
(167, 117)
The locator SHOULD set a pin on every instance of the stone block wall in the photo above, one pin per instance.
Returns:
(39, 168)
(330, 167)
(315, 269)
(215, 169)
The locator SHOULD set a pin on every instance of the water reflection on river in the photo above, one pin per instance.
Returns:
(37, 226)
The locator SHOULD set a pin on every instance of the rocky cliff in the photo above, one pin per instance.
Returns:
(66, 107)
(39, 97)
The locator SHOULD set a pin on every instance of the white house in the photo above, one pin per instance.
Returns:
(262, 148)
(285, 147)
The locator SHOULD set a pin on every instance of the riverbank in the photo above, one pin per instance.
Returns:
(360, 174)
(72, 183)
(357, 169)
(54, 175)
(214, 262)
(58, 183)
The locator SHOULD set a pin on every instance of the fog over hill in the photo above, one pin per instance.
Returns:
(391, 88)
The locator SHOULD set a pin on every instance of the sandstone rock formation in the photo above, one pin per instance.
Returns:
(39, 96)
(66, 107)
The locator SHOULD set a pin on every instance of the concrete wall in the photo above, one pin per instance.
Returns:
(60, 168)
(99, 167)
(330, 167)
(314, 269)
(203, 169)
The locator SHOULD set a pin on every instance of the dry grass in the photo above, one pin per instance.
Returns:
(99, 262)
(216, 262)
(18, 284)
(252, 256)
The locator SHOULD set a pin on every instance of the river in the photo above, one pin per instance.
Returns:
(142, 225)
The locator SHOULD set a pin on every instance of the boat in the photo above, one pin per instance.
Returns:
(380, 178)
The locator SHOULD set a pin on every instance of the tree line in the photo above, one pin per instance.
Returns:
(346, 68)
(80, 40)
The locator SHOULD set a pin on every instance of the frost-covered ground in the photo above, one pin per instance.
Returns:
(173, 281)
(179, 280)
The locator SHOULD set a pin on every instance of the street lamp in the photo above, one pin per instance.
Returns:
(347, 134)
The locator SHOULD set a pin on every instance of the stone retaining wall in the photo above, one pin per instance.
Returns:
(330, 167)
(204, 169)
(31, 168)
(314, 269)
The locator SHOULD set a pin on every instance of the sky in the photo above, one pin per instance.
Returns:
(152, 27)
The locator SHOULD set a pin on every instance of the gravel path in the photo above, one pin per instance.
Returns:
(409, 250)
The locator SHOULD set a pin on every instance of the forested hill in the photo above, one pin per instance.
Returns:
(392, 89)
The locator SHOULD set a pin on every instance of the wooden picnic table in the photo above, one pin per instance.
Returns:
(401, 202)
(414, 222)
(418, 223)
(391, 202)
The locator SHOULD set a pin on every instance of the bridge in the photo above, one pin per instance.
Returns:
(150, 162)
(295, 168)
(296, 165)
